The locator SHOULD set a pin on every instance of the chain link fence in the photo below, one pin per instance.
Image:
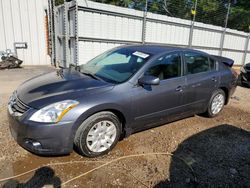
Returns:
(234, 14)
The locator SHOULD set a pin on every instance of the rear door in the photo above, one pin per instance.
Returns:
(202, 79)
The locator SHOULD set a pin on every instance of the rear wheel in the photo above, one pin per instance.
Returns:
(216, 103)
(98, 134)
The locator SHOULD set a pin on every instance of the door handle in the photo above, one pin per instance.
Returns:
(179, 89)
(214, 79)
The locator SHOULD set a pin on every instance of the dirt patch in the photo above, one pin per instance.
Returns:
(218, 151)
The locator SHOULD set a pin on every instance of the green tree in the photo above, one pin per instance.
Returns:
(240, 16)
(59, 2)
(212, 12)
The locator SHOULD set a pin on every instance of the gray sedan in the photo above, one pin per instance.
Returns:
(123, 91)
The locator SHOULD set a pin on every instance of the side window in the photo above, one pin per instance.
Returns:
(165, 67)
(212, 64)
(196, 63)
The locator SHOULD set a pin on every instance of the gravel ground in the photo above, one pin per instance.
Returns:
(193, 152)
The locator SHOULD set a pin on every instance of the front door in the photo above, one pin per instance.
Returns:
(154, 104)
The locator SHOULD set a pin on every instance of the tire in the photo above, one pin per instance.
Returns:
(220, 95)
(98, 134)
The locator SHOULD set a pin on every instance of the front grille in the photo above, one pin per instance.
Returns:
(17, 106)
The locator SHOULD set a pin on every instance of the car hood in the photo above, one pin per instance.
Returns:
(61, 85)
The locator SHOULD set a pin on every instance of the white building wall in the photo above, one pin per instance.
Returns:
(24, 21)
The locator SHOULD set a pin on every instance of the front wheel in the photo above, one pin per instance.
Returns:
(216, 103)
(98, 134)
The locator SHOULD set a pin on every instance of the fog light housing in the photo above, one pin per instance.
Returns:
(33, 144)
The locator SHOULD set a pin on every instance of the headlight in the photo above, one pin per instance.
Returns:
(54, 112)
(243, 70)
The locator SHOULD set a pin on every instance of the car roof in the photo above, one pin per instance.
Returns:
(155, 49)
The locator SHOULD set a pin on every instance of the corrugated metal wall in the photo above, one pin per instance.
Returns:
(24, 21)
(159, 30)
(107, 29)
(99, 27)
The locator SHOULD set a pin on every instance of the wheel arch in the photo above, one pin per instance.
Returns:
(117, 110)
(226, 91)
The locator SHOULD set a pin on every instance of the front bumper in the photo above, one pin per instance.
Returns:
(41, 138)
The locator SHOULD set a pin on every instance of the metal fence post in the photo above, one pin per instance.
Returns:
(224, 30)
(51, 5)
(190, 40)
(245, 49)
(76, 33)
(144, 22)
(66, 32)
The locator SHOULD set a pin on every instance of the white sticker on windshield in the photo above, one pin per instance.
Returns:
(140, 54)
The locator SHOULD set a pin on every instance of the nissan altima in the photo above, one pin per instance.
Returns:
(122, 91)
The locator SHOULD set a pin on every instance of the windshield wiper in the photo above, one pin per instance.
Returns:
(91, 75)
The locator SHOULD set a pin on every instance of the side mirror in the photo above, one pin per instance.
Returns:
(149, 80)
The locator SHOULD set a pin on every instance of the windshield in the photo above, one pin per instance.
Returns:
(116, 66)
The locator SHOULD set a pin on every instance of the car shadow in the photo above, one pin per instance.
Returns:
(42, 176)
(217, 157)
